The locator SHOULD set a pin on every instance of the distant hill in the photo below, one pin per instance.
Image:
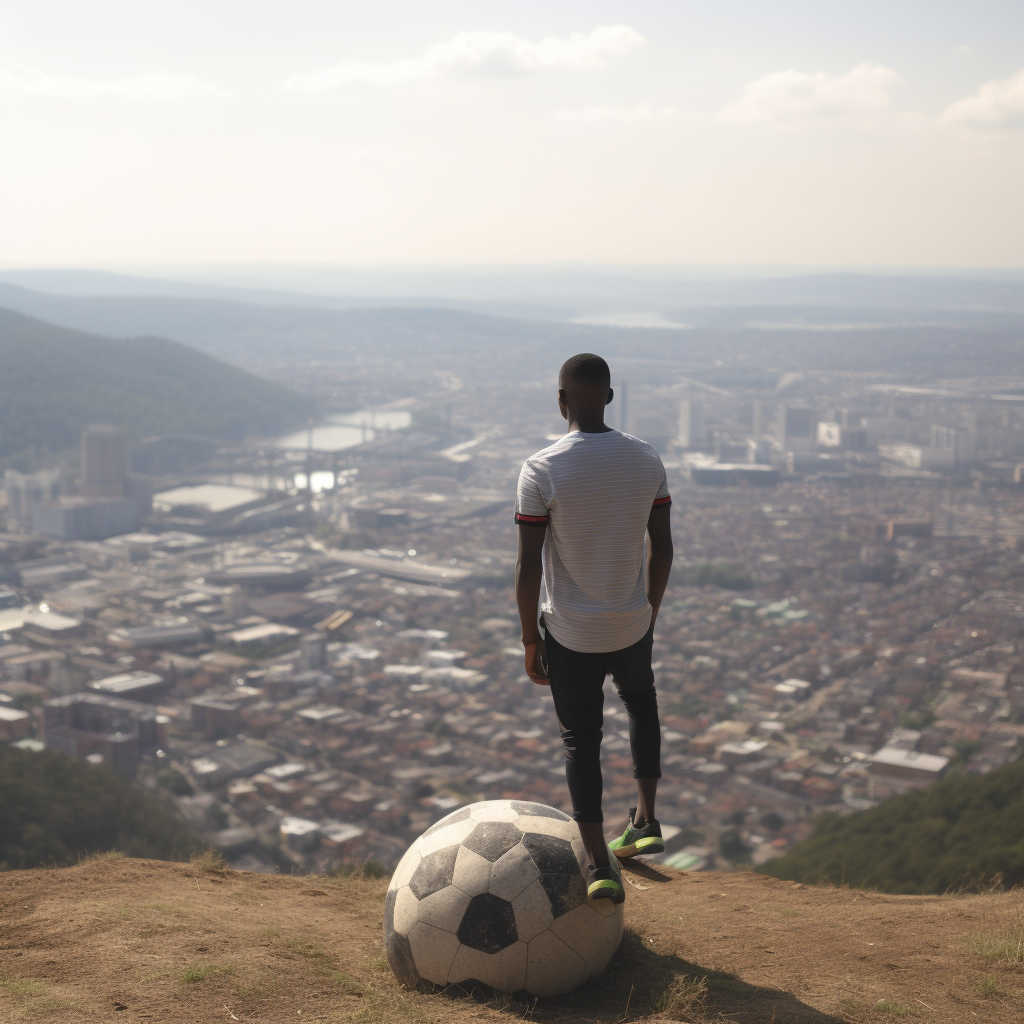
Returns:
(266, 335)
(56, 810)
(963, 829)
(826, 323)
(55, 381)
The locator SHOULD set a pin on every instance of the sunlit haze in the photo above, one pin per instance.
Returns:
(143, 133)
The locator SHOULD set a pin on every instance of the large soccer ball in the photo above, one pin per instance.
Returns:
(496, 893)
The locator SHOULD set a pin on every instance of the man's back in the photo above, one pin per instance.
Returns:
(595, 492)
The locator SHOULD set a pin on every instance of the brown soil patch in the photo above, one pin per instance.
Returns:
(141, 941)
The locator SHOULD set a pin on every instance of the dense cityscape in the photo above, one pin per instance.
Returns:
(312, 646)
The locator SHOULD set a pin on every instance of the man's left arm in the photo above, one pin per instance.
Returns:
(659, 556)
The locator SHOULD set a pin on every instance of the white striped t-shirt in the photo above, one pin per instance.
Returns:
(594, 494)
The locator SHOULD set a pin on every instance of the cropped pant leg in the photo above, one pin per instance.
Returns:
(633, 676)
(577, 688)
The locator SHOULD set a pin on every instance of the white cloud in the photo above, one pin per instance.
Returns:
(151, 86)
(995, 103)
(494, 54)
(799, 96)
(644, 112)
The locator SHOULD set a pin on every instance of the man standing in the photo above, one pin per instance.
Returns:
(584, 506)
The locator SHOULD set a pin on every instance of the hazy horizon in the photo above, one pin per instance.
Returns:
(607, 133)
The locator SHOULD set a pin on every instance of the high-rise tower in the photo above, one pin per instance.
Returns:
(104, 462)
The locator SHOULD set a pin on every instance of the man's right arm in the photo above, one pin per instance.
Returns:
(529, 571)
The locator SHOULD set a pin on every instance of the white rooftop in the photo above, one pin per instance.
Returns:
(126, 681)
(298, 827)
(898, 758)
(212, 497)
(265, 631)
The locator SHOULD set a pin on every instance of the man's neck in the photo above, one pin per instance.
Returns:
(588, 426)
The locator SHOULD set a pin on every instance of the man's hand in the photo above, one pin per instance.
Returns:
(536, 658)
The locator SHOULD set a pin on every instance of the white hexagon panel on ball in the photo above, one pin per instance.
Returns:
(496, 893)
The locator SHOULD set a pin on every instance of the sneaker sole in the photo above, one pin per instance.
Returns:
(652, 844)
(606, 890)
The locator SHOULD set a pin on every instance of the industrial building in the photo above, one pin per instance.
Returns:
(109, 502)
(104, 729)
(145, 687)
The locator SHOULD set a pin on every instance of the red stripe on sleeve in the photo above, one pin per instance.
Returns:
(539, 520)
(658, 502)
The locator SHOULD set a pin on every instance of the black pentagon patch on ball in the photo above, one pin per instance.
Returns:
(538, 810)
(493, 839)
(460, 815)
(400, 959)
(553, 856)
(435, 871)
(489, 924)
(565, 892)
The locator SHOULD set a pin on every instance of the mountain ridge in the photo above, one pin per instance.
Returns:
(57, 380)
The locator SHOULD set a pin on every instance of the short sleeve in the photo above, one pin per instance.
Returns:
(531, 508)
(663, 497)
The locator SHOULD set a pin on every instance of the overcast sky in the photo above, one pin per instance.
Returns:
(734, 132)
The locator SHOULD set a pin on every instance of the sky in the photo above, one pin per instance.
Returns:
(743, 132)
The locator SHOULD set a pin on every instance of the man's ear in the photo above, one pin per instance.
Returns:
(611, 395)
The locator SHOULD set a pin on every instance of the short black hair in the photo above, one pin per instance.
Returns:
(585, 368)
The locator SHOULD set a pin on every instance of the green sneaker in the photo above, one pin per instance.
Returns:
(605, 884)
(638, 840)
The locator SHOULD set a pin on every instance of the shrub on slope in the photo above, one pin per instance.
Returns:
(53, 810)
(962, 829)
(55, 381)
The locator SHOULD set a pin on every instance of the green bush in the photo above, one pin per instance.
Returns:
(175, 782)
(963, 830)
(55, 810)
(715, 574)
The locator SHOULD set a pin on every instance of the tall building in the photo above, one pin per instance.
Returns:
(953, 444)
(655, 430)
(25, 490)
(797, 429)
(104, 462)
(692, 425)
(110, 501)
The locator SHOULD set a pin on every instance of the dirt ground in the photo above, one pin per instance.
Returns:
(132, 941)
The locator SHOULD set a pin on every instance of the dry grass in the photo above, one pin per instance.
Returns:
(890, 1009)
(30, 1000)
(989, 987)
(685, 996)
(1004, 942)
(102, 855)
(192, 975)
(207, 862)
(22, 988)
